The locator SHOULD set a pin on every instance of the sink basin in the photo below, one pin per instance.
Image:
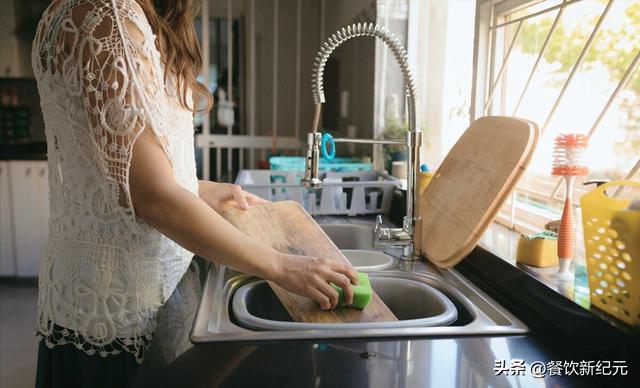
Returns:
(368, 260)
(401, 284)
(350, 236)
(414, 303)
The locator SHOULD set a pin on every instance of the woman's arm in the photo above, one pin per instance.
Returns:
(185, 218)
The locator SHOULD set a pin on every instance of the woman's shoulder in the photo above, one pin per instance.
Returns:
(78, 10)
(110, 19)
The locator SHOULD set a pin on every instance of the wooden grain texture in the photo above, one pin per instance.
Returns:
(288, 228)
(471, 184)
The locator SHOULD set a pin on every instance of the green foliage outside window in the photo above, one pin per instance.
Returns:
(615, 47)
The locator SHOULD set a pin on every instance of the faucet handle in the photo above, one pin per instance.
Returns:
(380, 232)
(311, 175)
(378, 223)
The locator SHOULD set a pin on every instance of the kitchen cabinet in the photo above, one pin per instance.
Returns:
(25, 226)
(9, 62)
(18, 23)
(7, 259)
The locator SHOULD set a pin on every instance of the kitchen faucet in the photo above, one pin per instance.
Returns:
(316, 142)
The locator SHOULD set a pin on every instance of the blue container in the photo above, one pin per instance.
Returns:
(297, 163)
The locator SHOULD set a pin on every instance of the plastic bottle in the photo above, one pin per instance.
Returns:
(424, 178)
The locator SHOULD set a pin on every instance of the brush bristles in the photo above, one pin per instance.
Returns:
(569, 155)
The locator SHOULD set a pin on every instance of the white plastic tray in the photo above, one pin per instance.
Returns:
(363, 192)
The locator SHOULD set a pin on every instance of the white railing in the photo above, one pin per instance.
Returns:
(249, 148)
(249, 145)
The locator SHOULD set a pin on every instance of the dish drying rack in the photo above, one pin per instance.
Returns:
(342, 193)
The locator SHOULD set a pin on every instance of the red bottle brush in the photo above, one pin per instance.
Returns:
(568, 161)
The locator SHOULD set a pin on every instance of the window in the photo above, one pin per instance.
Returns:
(439, 43)
(571, 67)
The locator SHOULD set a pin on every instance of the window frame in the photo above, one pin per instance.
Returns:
(490, 16)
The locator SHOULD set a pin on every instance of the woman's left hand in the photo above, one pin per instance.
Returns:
(223, 196)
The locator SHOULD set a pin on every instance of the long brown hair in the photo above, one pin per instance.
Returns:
(172, 22)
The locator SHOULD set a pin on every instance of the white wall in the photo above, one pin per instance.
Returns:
(441, 51)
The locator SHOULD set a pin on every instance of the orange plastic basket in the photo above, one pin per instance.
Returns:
(612, 245)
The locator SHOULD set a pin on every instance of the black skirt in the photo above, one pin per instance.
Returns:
(65, 366)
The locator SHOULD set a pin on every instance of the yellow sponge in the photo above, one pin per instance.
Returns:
(538, 250)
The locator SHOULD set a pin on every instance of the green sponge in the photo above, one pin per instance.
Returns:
(362, 293)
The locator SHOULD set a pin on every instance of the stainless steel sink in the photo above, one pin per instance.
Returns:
(477, 313)
(350, 236)
(415, 303)
(366, 261)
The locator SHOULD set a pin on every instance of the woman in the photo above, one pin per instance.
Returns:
(118, 92)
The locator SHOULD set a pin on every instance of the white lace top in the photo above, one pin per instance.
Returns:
(105, 274)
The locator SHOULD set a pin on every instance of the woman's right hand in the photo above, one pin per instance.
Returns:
(310, 277)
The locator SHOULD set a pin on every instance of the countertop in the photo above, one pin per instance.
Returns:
(462, 362)
(561, 331)
(502, 242)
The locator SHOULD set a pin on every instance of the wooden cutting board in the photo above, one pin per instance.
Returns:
(472, 183)
(287, 227)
